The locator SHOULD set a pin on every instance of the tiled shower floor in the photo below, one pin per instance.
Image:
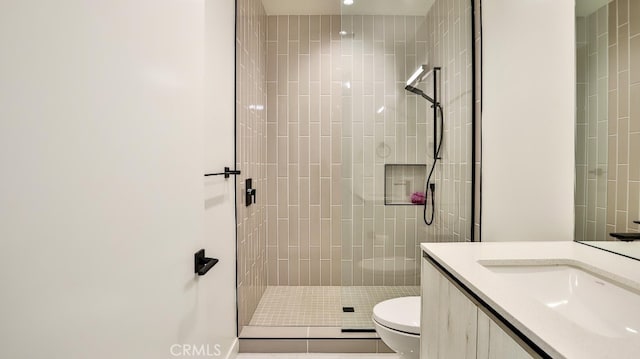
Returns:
(321, 306)
(285, 306)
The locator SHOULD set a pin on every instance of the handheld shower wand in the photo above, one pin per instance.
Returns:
(413, 81)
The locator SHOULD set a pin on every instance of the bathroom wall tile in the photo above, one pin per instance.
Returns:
(634, 203)
(272, 63)
(623, 141)
(602, 57)
(611, 202)
(613, 67)
(623, 48)
(304, 34)
(283, 270)
(623, 11)
(283, 35)
(613, 112)
(293, 28)
(304, 238)
(602, 16)
(314, 28)
(325, 232)
(612, 22)
(314, 179)
(634, 112)
(305, 272)
(314, 265)
(634, 150)
(272, 266)
(293, 267)
(621, 221)
(634, 17)
(623, 94)
(272, 29)
(283, 74)
(293, 226)
(335, 27)
(282, 155)
(325, 34)
(622, 188)
(252, 224)
(634, 55)
(293, 140)
(325, 271)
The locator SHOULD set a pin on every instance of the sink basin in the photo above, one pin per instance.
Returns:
(596, 304)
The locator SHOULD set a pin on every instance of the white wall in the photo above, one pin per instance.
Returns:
(101, 194)
(528, 120)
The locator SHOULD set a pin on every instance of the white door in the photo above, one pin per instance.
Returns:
(106, 128)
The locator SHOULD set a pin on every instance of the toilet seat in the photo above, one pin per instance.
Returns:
(400, 314)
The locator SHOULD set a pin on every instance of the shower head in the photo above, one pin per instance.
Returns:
(419, 92)
(418, 75)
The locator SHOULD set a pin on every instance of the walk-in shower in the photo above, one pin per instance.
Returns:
(339, 153)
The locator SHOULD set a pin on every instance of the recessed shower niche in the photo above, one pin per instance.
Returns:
(404, 184)
(325, 127)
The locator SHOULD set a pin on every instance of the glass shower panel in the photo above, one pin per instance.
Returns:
(592, 126)
(387, 144)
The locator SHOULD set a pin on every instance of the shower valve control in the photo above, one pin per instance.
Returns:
(250, 193)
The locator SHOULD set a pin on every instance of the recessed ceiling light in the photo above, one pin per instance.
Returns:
(348, 2)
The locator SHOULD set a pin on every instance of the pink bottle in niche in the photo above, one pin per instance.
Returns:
(418, 198)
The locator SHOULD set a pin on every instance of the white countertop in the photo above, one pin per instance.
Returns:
(629, 249)
(559, 338)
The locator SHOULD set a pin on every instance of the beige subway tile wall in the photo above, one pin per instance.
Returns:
(592, 128)
(251, 151)
(304, 152)
(623, 189)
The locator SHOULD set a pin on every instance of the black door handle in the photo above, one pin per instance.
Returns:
(227, 172)
(203, 264)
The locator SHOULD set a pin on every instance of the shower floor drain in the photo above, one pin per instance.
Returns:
(348, 309)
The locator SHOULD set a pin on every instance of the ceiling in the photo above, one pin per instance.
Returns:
(359, 7)
(587, 7)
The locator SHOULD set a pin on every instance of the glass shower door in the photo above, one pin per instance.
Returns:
(387, 146)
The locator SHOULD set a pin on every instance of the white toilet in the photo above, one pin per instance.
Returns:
(397, 321)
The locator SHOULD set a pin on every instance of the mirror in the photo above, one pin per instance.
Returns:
(607, 198)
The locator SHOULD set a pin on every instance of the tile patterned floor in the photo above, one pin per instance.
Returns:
(283, 306)
(321, 306)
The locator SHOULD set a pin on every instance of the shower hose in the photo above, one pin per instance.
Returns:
(431, 187)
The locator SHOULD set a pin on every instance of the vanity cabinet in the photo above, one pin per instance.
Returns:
(493, 342)
(455, 325)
